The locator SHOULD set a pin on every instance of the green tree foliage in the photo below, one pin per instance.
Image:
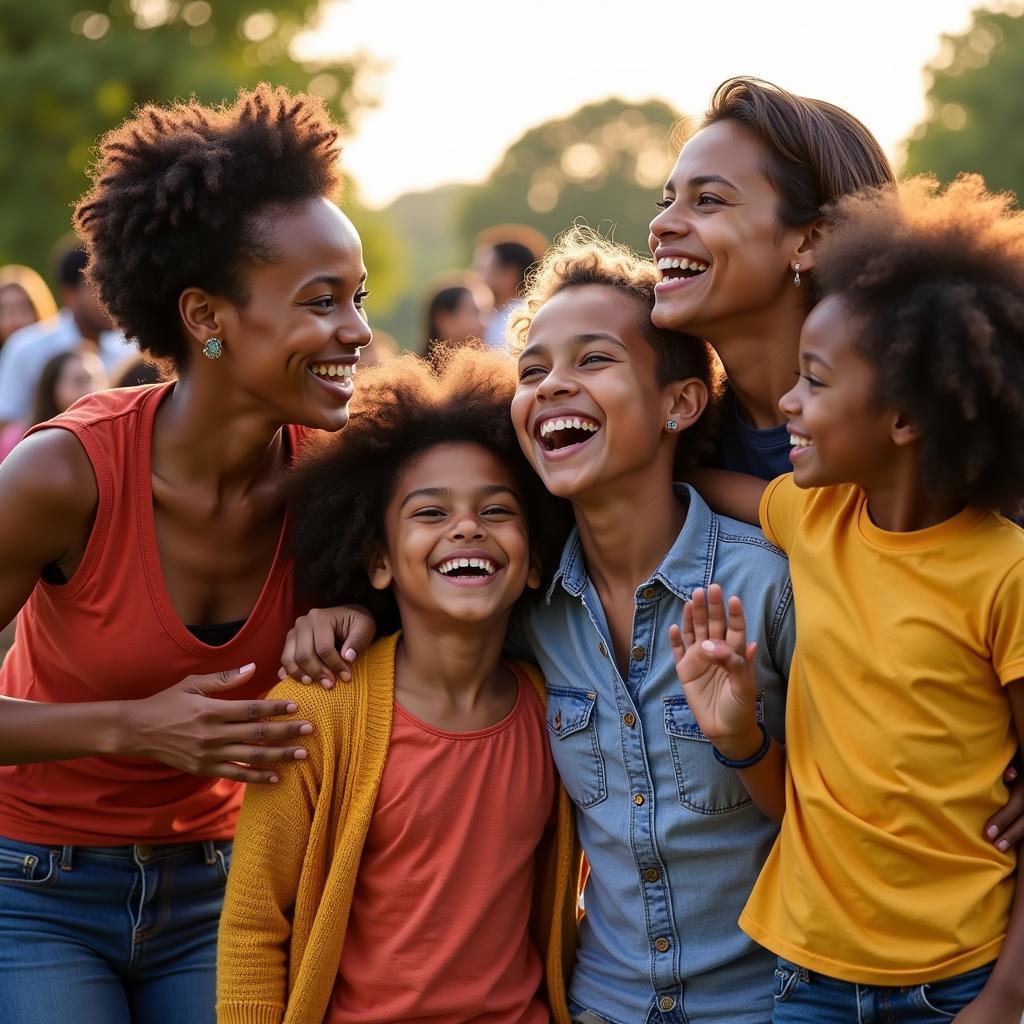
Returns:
(71, 70)
(976, 104)
(605, 163)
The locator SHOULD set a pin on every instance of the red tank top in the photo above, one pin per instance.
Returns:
(111, 633)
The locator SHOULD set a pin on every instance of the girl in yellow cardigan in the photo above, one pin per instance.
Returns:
(419, 864)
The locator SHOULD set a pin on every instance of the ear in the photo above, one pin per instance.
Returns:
(806, 243)
(903, 431)
(202, 314)
(533, 579)
(378, 568)
(686, 400)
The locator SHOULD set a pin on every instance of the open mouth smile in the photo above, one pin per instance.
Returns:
(467, 570)
(565, 433)
(678, 271)
(338, 376)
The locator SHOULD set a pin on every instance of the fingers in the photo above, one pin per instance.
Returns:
(273, 733)
(675, 638)
(251, 710)
(358, 634)
(1006, 827)
(720, 653)
(299, 659)
(256, 756)
(698, 605)
(216, 682)
(716, 612)
(736, 626)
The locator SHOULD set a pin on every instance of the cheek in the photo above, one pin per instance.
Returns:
(520, 413)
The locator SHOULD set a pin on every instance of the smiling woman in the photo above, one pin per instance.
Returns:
(143, 528)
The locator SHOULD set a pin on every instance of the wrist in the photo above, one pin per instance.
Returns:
(743, 751)
(118, 735)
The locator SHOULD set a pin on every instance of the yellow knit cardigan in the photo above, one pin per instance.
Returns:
(298, 849)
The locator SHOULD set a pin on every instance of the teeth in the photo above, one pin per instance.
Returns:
(467, 563)
(329, 370)
(550, 426)
(796, 441)
(682, 263)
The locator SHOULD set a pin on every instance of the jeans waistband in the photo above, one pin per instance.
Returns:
(209, 851)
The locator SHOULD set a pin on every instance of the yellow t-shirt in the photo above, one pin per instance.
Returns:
(898, 730)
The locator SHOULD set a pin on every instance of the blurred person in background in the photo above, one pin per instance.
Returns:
(81, 322)
(66, 378)
(502, 256)
(454, 312)
(24, 299)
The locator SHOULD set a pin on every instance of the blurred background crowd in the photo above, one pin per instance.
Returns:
(446, 262)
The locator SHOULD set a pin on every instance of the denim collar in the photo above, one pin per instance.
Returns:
(687, 565)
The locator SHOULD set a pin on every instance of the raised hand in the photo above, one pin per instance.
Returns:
(715, 666)
(187, 727)
(323, 644)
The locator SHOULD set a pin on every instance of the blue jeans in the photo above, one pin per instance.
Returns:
(110, 935)
(803, 997)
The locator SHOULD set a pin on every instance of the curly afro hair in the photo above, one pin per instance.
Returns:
(935, 282)
(581, 256)
(340, 488)
(176, 197)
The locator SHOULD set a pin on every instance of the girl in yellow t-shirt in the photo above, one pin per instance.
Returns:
(882, 897)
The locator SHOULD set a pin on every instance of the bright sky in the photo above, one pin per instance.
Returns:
(460, 80)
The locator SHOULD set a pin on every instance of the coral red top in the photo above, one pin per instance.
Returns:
(111, 633)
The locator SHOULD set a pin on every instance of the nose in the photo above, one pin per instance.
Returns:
(466, 526)
(669, 223)
(556, 382)
(789, 403)
(354, 332)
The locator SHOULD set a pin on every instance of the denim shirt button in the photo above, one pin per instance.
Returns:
(638, 653)
(629, 719)
(662, 945)
(652, 875)
(649, 592)
(604, 650)
(666, 1003)
(638, 799)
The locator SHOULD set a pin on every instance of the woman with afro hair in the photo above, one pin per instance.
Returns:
(884, 897)
(142, 543)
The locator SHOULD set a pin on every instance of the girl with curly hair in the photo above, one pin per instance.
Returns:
(391, 875)
(142, 542)
(906, 697)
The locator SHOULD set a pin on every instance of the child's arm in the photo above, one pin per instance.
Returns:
(256, 922)
(736, 495)
(715, 665)
(1001, 1001)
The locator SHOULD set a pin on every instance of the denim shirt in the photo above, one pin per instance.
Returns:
(673, 841)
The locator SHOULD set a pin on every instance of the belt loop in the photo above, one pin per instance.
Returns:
(209, 852)
(65, 857)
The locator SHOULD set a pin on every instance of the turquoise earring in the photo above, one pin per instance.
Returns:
(213, 349)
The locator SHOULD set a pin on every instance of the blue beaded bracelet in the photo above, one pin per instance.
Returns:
(747, 762)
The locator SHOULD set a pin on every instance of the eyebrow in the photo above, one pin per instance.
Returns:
(813, 357)
(330, 279)
(446, 492)
(703, 179)
(576, 339)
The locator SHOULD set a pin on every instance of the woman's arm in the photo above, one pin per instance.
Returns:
(736, 495)
(48, 500)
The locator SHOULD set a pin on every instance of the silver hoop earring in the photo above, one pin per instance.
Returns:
(671, 425)
(213, 349)
(796, 274)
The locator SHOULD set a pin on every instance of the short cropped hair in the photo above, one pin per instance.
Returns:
(935, 282)
(581, 256)
(339, 492)
(176, 196)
